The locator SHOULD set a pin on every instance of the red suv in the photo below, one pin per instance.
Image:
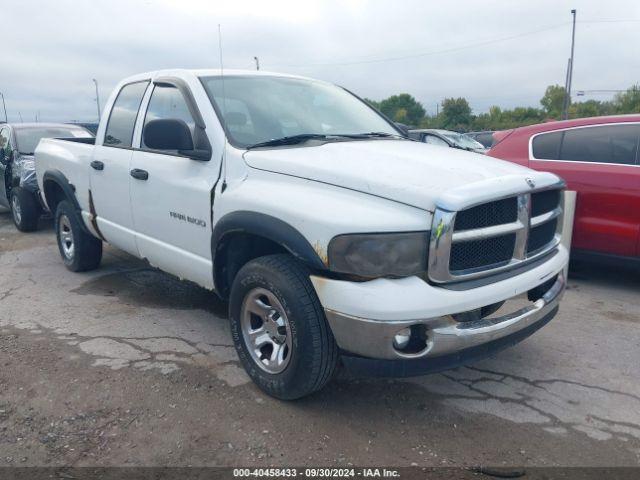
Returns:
(598, 157)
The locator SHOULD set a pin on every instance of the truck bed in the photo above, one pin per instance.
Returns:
(70, 157)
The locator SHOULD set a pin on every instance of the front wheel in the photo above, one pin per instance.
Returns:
(24, 209)
(279, 329)
(80, 250)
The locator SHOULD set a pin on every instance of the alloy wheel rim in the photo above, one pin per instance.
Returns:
(266, 330)
(15, 208)
(66, 237)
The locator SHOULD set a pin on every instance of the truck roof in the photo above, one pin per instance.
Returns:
(209, 72)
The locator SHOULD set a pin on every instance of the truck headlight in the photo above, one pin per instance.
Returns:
(379, 254)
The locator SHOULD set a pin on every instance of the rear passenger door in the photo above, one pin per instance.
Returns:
(109, 170)
(601, 163)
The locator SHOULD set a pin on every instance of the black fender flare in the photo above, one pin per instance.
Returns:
(268, 227)
(57, 177)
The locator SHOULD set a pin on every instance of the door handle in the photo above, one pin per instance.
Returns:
(139, 174)
(97, 165)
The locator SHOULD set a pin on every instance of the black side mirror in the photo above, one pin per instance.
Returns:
(167, 134)
(172, 134)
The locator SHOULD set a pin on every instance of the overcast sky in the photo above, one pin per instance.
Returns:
(491, 52)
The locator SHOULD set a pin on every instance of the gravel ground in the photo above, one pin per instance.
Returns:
(129, 366)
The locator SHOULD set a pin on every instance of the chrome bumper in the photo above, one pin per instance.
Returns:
(445, 335)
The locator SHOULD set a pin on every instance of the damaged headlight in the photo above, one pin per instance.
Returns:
(379, 254)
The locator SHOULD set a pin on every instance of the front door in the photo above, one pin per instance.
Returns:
(171, 197)
(110, 167)
(601, 164)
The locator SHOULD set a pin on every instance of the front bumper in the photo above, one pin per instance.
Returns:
(371, 335)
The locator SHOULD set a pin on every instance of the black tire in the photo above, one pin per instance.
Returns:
(25, 209)
(80, 250)
(313, 355)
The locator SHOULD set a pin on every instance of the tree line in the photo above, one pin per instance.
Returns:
(455, 113)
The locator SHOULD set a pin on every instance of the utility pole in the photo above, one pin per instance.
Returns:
(97, 98)
(257, 63)
(20, 115)
(5, 108)
(565, 100)
(567, 92)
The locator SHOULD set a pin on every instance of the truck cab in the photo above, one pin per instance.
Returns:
(333, 237)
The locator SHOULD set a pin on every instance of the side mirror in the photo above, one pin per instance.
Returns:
(167, 134)
(172, 134)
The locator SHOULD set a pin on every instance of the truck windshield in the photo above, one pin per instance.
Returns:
(259, 109)
(27, 138)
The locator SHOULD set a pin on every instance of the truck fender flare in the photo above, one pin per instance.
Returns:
(57, 177)
(270, 228)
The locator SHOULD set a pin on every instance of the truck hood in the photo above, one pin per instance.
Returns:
(409, 172)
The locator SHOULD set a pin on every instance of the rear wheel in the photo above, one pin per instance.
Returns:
(80, 250)
(279, 328)
(24, 209)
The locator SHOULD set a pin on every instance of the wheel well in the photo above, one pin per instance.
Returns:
(53, 194)
(236, 249)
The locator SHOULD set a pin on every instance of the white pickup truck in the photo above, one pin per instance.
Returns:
(332, 236)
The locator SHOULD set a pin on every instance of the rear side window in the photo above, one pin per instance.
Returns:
(604, 144)
(123, 115)
(547, 146)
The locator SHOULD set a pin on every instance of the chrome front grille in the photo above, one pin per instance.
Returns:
(494, 236)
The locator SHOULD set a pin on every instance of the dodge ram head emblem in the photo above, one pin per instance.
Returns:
(531, 183)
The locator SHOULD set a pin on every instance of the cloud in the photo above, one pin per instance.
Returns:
(52, 50)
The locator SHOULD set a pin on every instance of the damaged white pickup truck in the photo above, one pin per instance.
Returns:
(332, 236)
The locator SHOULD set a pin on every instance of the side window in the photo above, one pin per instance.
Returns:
(546, 146)
(168, 103)
(604, 144)
(123, 115)
(433, 140)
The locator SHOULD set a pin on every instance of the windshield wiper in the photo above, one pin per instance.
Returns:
(303, 137)
(290, 140)
(26, 153)
(370, 135)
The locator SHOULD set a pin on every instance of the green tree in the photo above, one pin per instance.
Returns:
(590, 108)
(553, 100)
(629, 101)
(403, 108)
(456, 114)
(373, 103)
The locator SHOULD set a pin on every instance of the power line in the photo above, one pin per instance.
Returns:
(452, 49)
(433, 52)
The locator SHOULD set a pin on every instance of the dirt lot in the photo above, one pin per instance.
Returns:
(129, 366)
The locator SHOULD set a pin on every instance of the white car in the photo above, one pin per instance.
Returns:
(331, 235)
